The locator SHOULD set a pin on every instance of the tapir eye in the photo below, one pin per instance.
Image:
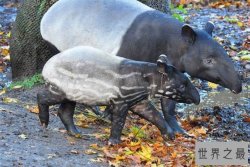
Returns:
(182, 88)
(209, 61)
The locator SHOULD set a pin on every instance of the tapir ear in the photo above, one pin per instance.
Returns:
(209, 27)
(162, 63)
(188, 33)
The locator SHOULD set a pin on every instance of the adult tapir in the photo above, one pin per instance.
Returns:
(130, 29)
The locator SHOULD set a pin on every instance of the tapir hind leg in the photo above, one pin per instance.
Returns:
(119, 114)
(147, 110)
(45, 99)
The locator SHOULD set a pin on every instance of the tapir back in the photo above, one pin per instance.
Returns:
(90, 22)
(84, 74)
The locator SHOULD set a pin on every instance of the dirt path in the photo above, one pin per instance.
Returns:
(48, 147)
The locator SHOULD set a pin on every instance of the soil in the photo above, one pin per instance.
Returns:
(42, 147)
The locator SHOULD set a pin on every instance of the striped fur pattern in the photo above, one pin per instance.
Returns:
(90, 76)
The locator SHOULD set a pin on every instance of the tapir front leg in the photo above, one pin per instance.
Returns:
(147, 110)
(119, 115)
(168, 109)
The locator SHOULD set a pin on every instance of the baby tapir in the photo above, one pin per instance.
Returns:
(89, 76)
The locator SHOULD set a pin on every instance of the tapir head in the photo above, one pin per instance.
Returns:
(173, 84)
(206, 59)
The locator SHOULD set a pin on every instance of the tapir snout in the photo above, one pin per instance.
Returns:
(228, 76)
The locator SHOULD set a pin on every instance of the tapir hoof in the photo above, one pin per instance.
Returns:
(175, 125)
(74, 132)
(168, 137)
(113, 142)
(44, 123)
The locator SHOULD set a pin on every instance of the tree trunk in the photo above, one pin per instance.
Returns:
(161, 5)
(29, 52)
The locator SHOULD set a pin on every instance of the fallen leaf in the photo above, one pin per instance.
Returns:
(98, 160)
(246, 119)
(4, 51)
(108, 153)
(90, 152)
(9, 100)
(174, 154)
(51, 156)
(145, 153)
(74, 151)
(135, 158)
(212, 85)
(201, 130)
(245, 57)
(2, 92)
(23, 136)
(113, 164)
(34, 109)
(240, 24)
(17, 87)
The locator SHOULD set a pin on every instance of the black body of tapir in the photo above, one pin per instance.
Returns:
(87, 75)
(130, 29)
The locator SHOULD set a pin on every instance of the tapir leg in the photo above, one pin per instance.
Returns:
(45, 99)
(119, 115)
(66, 112)
(168, 109)
(147, 110)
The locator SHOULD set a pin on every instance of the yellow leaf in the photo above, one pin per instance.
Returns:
(96, 147)
(5, 51)
(9, 34)
(1, 32)
(2, 91)
(128, 151)
(9, 100)
(212, 85)
(119, 158)
(145, 153)
(240, 24)
(34, 109)
(202, 131)
(107, 130)
(102, 108)
(245, 57)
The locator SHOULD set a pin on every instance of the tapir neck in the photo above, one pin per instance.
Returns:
(150, 77)
(161, 34)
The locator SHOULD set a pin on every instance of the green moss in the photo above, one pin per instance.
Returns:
(28, 82)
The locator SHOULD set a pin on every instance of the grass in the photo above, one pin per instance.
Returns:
(28, 82)
(176, 12)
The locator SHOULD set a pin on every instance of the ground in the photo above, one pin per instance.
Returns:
(221, 116)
